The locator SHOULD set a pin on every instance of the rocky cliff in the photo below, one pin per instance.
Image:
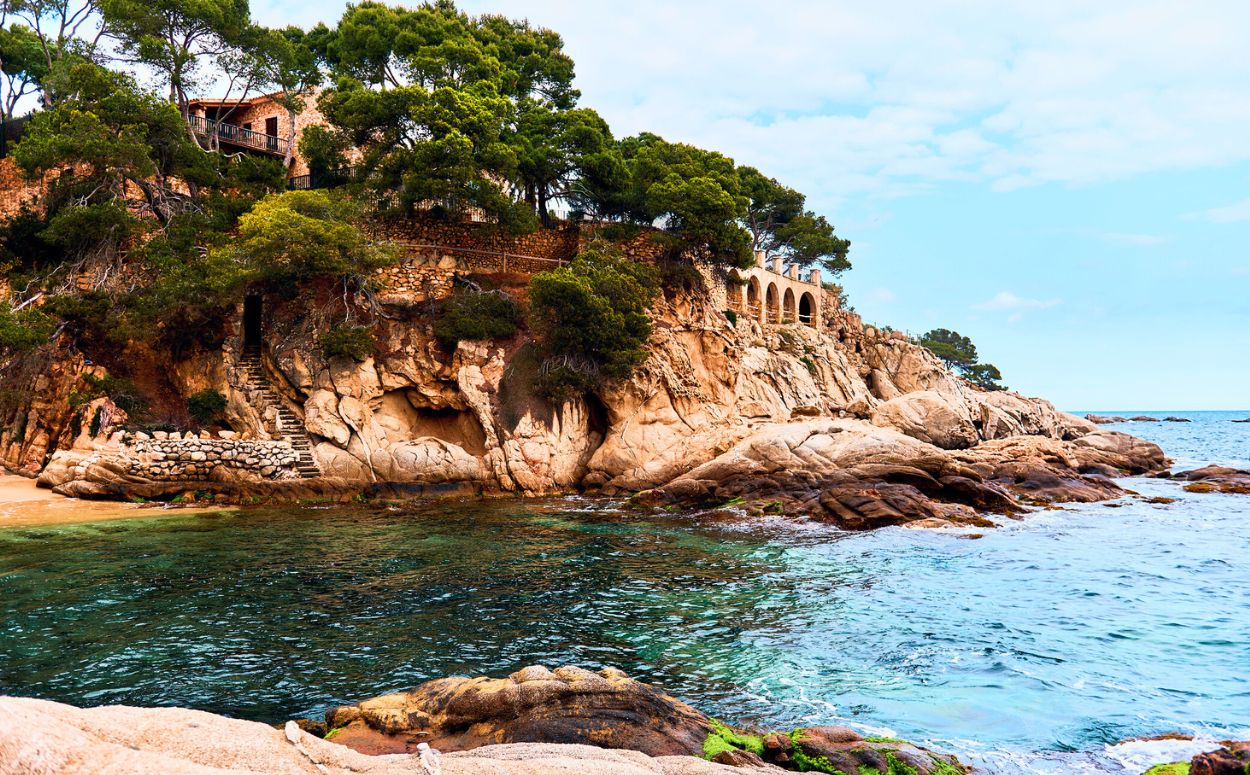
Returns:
(722, 409)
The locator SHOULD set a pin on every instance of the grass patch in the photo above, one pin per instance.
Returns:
(1175, 768)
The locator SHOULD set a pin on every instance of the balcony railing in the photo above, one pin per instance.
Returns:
(237, 135)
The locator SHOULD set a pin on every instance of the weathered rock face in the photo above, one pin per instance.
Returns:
(859, 476)
(606, 709)
(1234, 759)
(417, 415)
(534, 705)
(37, 736)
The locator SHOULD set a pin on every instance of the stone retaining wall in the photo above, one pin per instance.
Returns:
(194, 459)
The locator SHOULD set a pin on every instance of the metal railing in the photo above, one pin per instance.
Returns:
(237, 135)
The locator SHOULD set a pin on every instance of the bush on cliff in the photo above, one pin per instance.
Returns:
(477, 315)
(348, 340)
(301, 235)
(207, 406)
(23, 330)
(591, 317)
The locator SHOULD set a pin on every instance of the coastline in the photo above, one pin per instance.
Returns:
(25, 504)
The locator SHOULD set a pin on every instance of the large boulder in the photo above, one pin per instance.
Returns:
(930, 417)
(1233, 759)
(534, 705)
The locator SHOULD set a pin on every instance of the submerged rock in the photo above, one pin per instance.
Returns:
(1099, 419)
(1217, 479)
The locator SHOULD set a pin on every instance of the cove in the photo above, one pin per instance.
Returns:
(1040, 642)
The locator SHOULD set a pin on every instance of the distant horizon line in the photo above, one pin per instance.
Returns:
(1150, 411)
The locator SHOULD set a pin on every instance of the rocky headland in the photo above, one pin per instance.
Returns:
(839, 421)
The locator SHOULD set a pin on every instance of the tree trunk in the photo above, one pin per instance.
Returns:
(542, 207)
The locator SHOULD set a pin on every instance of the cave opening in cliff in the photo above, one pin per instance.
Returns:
(253, 307)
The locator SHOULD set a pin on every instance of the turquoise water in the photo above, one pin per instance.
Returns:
(1027, 650)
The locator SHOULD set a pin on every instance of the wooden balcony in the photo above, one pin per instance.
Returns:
(237, 136)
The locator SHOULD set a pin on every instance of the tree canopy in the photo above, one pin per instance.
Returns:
(960, 354)
(427, 108)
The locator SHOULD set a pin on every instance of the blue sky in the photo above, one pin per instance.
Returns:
(1068, 183)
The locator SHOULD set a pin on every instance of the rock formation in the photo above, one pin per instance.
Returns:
(606, 709)
(534, 705)
(840, 421)
(39, 736)
(1217, 479)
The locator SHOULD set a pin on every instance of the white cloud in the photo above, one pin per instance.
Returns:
(843, 99)
(1237, 211)
(879, 296)
(1016, 306)
(1134, 240)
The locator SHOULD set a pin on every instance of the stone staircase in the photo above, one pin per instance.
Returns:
(284, 425)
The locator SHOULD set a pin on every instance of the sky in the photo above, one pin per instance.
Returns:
(1067, 183)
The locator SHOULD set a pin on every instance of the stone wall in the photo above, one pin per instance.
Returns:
(553, 245)
(177, 459)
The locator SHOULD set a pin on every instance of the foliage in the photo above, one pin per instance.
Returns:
(207, 406)
(475, 315)
(1174, 768)
(300, 235)
(591, 315)
(985, 375)
(778, 223)
(696, 194)
(679, 275)
(956, 351)
(348, 340)
(174, 37)
(731, 316)
(22, 65)
(960, 354)
(23, 330)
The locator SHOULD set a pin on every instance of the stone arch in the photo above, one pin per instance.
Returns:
(772, 304)
(807, 310)
(787, 306)
(754, 309)
(733, 292)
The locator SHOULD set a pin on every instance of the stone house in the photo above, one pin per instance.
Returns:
(256, 125)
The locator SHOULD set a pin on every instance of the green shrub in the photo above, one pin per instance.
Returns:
(473, 315)
(732, 317)
(679, 275)
(24, 330)
(347, 340)
(206, 406)
(591, 317)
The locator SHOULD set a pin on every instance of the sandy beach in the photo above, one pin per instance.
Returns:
(22, 504)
